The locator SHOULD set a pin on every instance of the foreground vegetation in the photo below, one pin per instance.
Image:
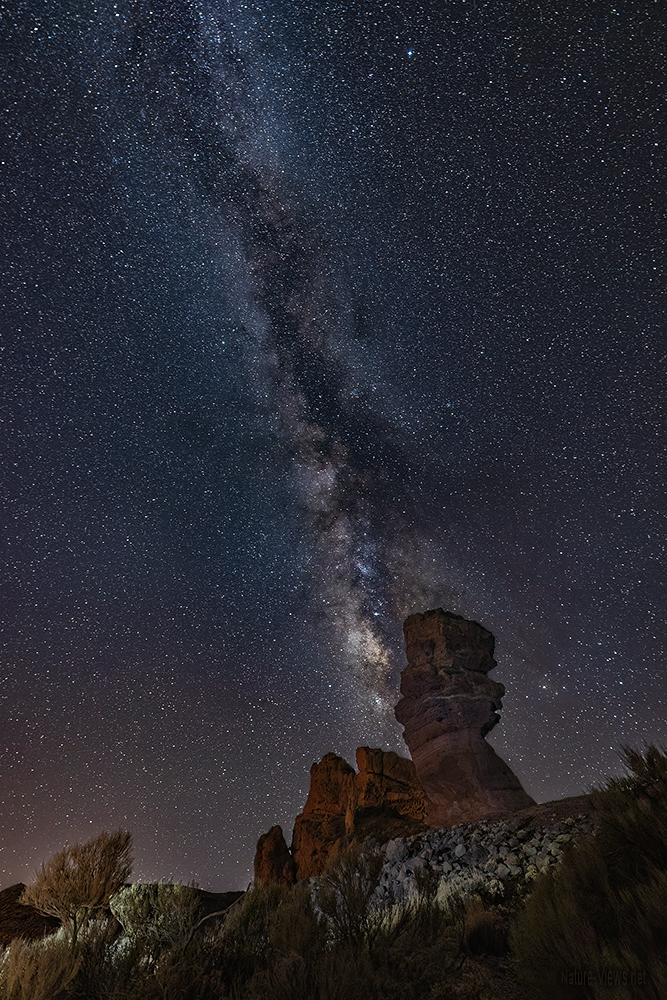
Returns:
(594, 928)
(598, 922)
(328, 943)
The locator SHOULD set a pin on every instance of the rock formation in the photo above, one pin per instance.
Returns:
(386, 782)
(321, 825)
(273, 861)
(383, 800)
(20, 921)
(343, 806)
(449, 704)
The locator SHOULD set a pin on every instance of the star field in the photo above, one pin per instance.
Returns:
(315, 316)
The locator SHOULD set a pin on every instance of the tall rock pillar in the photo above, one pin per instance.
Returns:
(449, 704)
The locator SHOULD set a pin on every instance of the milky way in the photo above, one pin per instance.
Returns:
(314, 318)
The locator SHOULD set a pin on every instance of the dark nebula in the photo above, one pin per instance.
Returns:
(315, 316)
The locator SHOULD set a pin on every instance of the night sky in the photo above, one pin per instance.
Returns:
(313, 316)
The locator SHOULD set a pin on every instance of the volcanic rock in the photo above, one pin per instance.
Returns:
(388, 782)
(382, 801)
(449, 704)
(320, 828)
(273, 861)
(20, 921)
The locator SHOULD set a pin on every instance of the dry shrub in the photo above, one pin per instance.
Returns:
(346, 892)
(240, 951)
(337, 941)
(295, 928)
(160, 915)
(387, 951)
(39, 970)
(81, 879)
(332, 941)
(486, 932)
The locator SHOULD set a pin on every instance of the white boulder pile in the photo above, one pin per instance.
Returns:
(477, 855)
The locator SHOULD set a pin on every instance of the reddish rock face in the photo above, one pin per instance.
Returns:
(320, 828)
(388, 782)
(383, 800)
(448, 706)
(273, 861)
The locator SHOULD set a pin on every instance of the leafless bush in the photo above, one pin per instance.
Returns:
(346, 892)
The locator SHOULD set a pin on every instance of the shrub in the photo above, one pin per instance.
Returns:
(599, 920)
(38, 970)
(100, 976)
(241, 949)
(159, 915)
(295, 949)
(485, 930)
(81, 879)
(346, 893)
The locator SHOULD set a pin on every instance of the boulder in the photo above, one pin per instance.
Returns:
(449, 704)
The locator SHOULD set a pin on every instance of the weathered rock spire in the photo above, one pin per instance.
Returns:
(449, 704)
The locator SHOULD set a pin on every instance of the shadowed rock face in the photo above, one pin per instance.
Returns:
(20, 921)
(449, 704)
(385, 782)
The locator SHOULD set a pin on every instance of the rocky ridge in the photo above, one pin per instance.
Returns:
(448, 706)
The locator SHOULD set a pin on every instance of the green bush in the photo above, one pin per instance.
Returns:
(598, 922)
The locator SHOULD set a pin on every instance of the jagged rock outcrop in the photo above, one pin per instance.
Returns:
(343, 807)
(321, 825)
(383, 800)
(449, 704)
(387, 782)
(273, 861)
